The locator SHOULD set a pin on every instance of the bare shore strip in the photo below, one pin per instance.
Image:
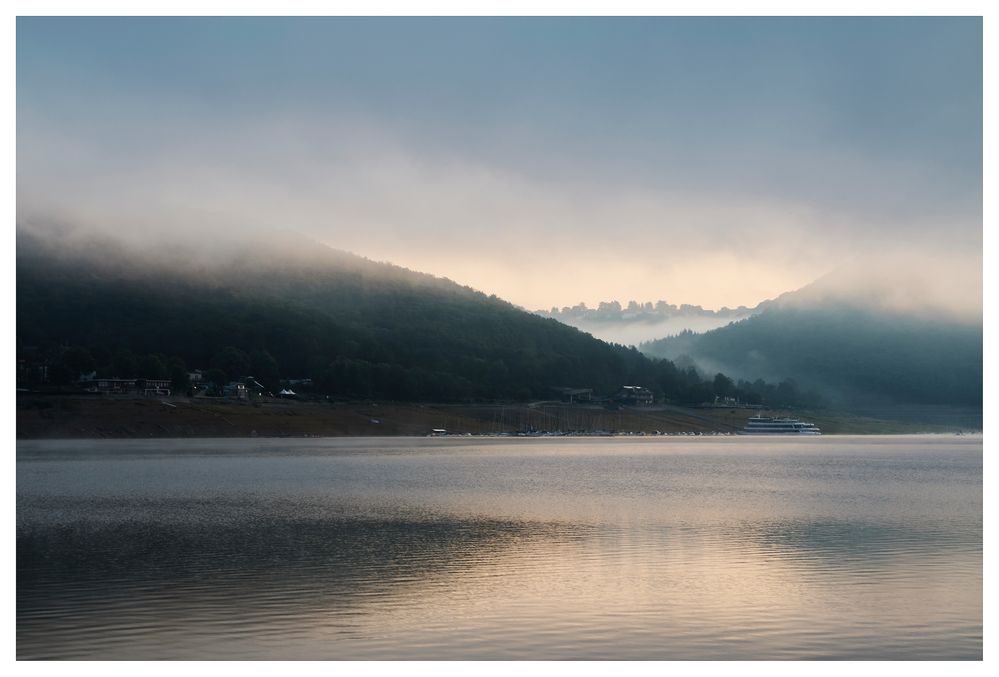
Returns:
(63, 417)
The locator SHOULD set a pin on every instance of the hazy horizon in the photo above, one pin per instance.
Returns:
(708, 161)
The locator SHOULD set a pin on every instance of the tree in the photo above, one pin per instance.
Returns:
(102, 355)
(59, 374)
(787, 393)
(233, 361)
(180, 381)
(265, 368)
(78, 361)
(217, 378)
(723, 385)
(124, 365)
(152, 367)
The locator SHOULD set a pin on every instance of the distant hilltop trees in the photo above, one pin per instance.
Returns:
(610, 311)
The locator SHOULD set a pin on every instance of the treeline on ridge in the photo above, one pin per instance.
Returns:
(852, 354)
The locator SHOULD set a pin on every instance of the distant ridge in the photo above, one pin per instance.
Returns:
(859, 338)
(636, 322)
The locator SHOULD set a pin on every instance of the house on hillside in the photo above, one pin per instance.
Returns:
(236, 390)
(154, 386)
(634, 396)
(113, 386)
(150, 387)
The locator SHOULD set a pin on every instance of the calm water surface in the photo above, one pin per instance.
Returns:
(707, 548)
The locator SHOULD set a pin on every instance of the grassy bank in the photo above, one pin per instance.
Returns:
(40, 416)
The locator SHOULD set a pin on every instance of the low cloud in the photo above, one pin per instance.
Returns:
(538, 241)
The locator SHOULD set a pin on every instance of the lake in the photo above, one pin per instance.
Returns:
(564, 548)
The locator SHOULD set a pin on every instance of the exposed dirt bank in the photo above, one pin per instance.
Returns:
(66, 416)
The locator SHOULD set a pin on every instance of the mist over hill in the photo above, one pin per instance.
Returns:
(860, 337)
(275, 306)
(279, 306)
(636, 323)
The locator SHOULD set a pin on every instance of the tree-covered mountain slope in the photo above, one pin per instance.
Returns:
(873, 342)
(289, 308)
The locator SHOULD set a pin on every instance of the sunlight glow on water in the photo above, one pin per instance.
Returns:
(833, 547)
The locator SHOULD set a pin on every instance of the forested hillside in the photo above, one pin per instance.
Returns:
(850, 354)
(355, 327)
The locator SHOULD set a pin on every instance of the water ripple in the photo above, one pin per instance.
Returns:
(736, 550)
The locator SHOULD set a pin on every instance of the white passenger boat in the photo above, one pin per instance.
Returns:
(764, 425)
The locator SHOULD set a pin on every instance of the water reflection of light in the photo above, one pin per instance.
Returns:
(491, 557)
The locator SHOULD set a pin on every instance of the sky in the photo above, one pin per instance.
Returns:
(549, 161)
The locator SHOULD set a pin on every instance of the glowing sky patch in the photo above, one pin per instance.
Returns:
(549, 161)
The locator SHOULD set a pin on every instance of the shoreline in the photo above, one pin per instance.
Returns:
(87, 417)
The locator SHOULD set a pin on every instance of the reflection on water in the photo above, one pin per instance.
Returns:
(628, 549)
